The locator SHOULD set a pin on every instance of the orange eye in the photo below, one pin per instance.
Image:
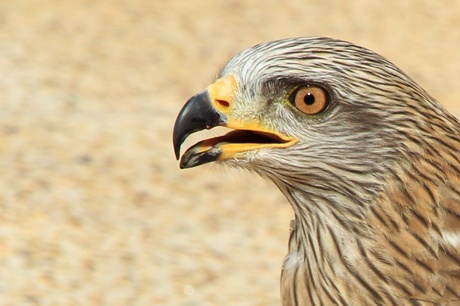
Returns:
(311, 100)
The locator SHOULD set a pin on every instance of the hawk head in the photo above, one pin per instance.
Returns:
(317, 112)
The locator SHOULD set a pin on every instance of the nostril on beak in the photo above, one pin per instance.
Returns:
(223, 103)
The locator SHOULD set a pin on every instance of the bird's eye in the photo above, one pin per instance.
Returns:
(311, 99)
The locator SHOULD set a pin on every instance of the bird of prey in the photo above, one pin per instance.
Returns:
(368, 160)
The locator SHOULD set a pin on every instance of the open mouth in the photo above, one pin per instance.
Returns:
(229, 145)
(247, 137)
(203, 112)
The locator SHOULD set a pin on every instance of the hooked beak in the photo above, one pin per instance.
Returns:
(213, 107)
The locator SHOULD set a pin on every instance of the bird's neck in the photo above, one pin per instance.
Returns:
(320, 225)
(324, 249)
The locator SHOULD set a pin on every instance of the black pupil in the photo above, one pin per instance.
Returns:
(309, 98)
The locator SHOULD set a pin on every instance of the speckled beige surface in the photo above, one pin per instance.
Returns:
(93, 207)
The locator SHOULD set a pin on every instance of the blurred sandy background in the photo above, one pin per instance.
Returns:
(93, 207)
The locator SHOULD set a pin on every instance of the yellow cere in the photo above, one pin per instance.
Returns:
(222, 93)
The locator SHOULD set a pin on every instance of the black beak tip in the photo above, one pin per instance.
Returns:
(176, 143)
(176, 152)
(196, 115)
